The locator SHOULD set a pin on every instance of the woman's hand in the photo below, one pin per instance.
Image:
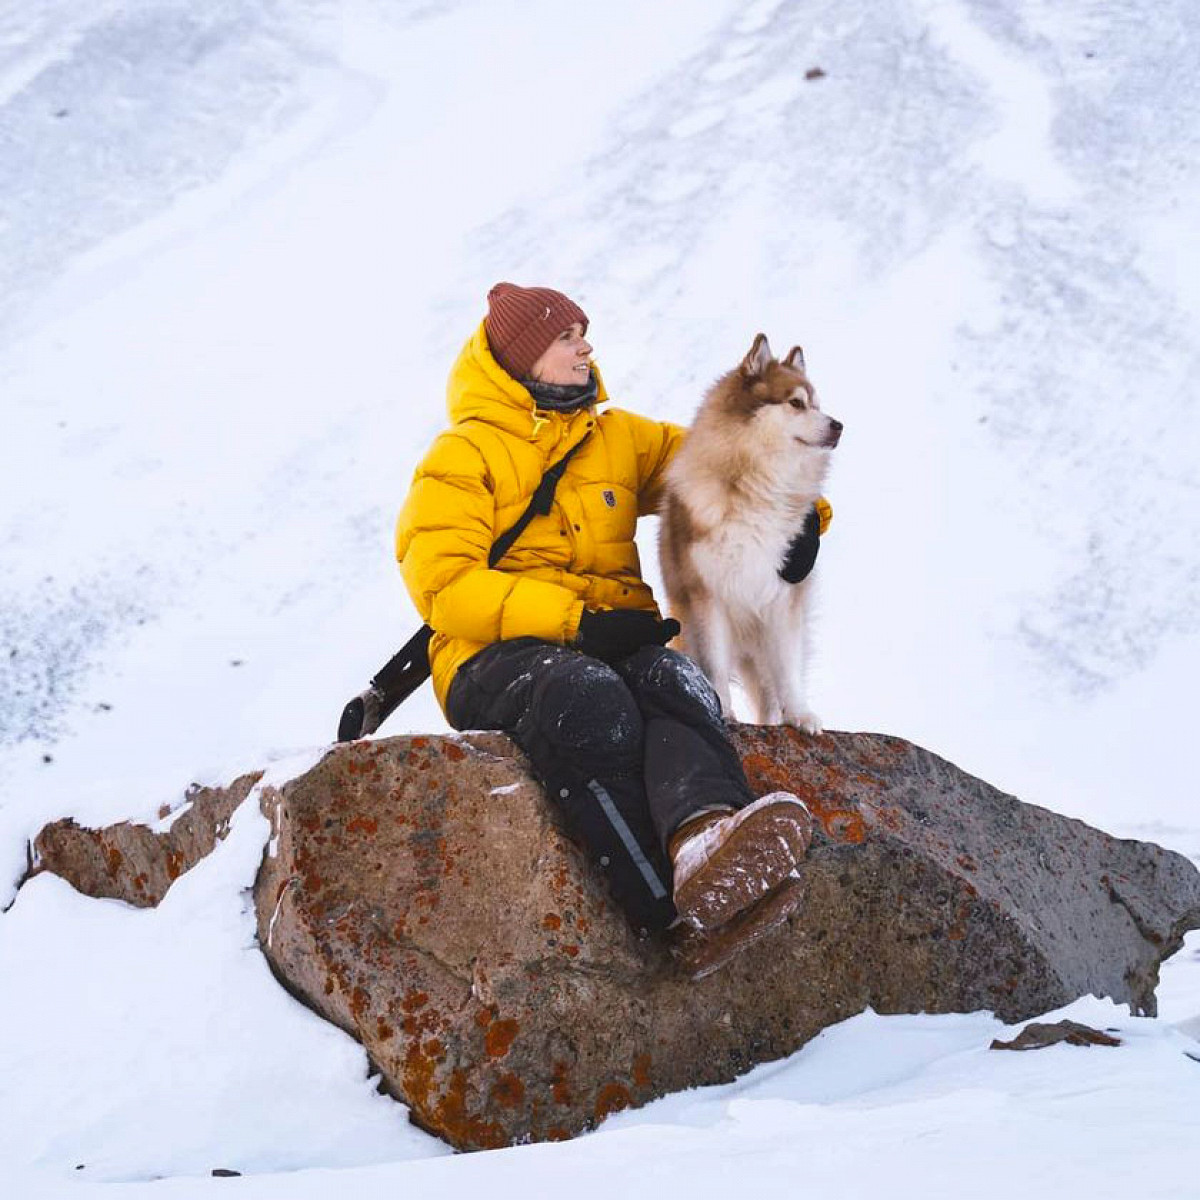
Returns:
(612, 636)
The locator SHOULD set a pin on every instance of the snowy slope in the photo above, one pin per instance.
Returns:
(240, 244)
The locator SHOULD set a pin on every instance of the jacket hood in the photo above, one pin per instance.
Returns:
(480, 389)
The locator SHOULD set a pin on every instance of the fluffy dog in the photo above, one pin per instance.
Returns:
(737, 493)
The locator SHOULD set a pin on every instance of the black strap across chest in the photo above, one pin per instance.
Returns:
(539, 505)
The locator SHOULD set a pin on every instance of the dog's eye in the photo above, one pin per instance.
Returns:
(798, 401)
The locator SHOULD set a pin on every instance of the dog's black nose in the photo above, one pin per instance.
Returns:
(836, 426)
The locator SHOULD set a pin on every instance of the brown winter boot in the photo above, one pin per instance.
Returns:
(700, 954)
(725, 864)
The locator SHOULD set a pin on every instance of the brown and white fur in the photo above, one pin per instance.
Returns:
(736, 494)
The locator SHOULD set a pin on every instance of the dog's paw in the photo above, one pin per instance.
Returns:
(807, 721)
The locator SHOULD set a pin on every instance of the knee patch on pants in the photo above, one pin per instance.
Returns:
(672, 683)
(580, 703)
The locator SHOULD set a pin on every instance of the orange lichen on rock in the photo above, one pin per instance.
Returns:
(113, 857)
(451, 1120)
(641, 1070)
(764, 774)
(367, 825)
(612, 1097)
(560, 1089)
(418, 1077)
(844, 826)
(500, 1037)
(508, 1091)
(887, 817)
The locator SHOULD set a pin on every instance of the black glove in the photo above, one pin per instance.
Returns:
(802, 550)
(612, 636)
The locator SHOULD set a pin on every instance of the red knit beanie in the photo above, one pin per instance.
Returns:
(522, 322)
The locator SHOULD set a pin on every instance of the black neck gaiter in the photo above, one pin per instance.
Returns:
(563, 397)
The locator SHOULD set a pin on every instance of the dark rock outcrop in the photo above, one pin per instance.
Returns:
(136, 863)
(419, 894)
(421, 897)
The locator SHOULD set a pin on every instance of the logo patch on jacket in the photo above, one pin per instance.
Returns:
(610, 498)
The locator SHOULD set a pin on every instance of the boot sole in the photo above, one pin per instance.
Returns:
(700, 955)
(755, 858)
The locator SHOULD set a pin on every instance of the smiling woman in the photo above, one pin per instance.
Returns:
(560, 643)
(566, 360)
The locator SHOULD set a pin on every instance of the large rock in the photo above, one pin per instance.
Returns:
(420, 895)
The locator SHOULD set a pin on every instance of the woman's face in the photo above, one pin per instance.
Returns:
(566, 359)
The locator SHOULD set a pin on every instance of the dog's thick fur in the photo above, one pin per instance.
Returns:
(737, 492)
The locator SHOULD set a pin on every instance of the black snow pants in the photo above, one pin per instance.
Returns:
(626, 752)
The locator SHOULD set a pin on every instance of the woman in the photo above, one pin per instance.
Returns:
(561, 644)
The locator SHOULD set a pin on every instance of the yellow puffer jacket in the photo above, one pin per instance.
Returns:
(476, 481)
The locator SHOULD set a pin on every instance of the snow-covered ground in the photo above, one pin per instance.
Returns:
(240, 244)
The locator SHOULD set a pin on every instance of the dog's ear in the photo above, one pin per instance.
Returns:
(795, 359)
(756, 362)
